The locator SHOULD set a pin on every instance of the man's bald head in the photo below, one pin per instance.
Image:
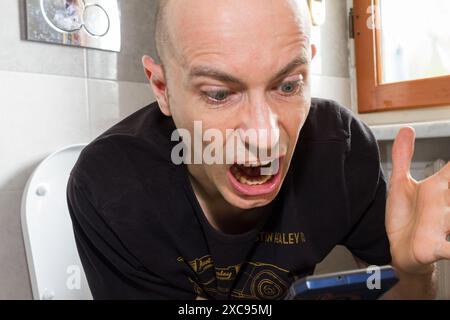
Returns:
(161, 31)
(163, 40)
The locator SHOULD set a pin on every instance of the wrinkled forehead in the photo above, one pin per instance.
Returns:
(237, 30)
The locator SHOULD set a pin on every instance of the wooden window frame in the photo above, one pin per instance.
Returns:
(375, 96)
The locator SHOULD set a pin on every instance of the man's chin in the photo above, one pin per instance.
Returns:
(248, 203)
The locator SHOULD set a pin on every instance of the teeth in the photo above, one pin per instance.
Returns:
(255, 181)
(258, 164)
(258, 181)
(251, 165)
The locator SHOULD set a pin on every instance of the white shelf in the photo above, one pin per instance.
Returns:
(424, 130)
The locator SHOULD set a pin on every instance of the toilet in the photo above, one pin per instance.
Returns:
(53, 262)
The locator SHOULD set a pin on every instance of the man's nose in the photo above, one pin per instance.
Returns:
(260, 119)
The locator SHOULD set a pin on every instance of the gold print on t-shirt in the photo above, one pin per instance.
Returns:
(263, 281)
(282, 238)
(200, 265)
(228, 273)
(259, 280)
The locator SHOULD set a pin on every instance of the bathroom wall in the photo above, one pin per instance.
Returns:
(330, 66)
(53, 96)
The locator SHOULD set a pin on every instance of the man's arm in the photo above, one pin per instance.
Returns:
(410, 286)
(112, 271)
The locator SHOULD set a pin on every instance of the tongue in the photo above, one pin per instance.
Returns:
(250, 171)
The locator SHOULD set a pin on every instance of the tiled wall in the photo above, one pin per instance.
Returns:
(53, 96)
(330, 67)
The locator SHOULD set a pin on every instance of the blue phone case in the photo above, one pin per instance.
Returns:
(349, 285)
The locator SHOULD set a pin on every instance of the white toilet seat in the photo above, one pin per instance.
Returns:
(53, 261)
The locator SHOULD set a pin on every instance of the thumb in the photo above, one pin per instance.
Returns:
(402, 153)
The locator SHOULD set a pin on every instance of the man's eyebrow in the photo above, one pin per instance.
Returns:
(299, 61)
(208, 72)
(204, 71)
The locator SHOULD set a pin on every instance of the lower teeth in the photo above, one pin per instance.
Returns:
(254, 181)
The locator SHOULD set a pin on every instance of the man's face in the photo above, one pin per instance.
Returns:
(240, 65)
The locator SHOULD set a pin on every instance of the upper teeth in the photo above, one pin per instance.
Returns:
(258, 164)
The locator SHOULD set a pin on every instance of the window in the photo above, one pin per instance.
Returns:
(402, 53)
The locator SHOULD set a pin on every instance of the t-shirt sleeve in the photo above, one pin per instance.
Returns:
(366, 188)
(111, 270)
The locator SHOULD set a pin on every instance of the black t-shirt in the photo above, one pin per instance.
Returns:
(141, 233)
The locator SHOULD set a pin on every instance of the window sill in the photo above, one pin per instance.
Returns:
(424, 130)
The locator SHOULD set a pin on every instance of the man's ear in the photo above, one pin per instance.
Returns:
(158, 83)
(313, 51)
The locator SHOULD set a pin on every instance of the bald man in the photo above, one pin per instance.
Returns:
(148, 226)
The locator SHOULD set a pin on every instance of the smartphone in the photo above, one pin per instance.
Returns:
(363, 284)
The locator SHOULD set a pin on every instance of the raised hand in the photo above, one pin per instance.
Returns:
(417, 212)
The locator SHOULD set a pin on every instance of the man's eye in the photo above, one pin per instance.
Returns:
(216, 96)
(290, 88)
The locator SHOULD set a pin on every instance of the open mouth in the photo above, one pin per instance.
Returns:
(251, 174)
(257, 178)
